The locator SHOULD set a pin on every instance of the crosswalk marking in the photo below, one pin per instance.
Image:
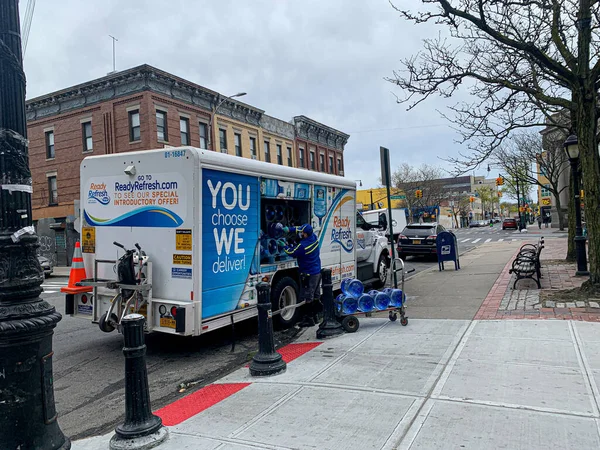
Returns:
(476, 240)
(488, 240)
(466, 240)
(500, 240)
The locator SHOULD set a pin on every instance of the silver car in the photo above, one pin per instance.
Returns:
(46, 265)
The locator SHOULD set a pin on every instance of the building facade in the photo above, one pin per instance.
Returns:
(145, 108)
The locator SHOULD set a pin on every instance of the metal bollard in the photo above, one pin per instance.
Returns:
(330, 326)
(142, 429)
(267, 361)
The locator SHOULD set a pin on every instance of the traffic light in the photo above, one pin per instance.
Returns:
(499, 194)
(500, 181)
(418, 193)
(471, 199)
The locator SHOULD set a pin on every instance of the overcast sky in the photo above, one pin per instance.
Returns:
(323, 59)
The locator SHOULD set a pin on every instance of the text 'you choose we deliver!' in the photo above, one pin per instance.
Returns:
(230, 214)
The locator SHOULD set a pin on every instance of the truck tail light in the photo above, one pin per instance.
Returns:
(174, 311)
(84, 299)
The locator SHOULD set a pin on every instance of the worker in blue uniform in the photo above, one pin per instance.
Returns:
(308, 256)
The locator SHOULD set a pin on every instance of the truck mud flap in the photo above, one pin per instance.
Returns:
(180, 320)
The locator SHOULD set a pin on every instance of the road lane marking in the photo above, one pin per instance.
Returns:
(487, 240)
(500, 240)
(476, 241)
(465, 240)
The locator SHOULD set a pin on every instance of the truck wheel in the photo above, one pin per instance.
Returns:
(285, 293)
(382, 272)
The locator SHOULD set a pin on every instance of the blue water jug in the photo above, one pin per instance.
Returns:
(366, 303)
(397, 297)
(382, 300)
(352, 287)
(347, 305)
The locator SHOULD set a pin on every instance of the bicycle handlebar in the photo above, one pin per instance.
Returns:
(119, 245)
(138, 247)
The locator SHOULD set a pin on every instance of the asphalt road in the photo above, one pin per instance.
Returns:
(89, 364)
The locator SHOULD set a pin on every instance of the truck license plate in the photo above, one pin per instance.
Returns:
(167, 322)
(416, 241)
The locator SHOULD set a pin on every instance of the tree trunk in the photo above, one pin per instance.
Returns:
(590, 165)
(559, 211)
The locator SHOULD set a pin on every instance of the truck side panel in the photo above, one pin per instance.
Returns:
(230, 230)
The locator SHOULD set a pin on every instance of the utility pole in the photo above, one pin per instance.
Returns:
(28, 418)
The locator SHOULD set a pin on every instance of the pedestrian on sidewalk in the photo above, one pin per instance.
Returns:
(307, 253)
(546, 220)
(539, 221)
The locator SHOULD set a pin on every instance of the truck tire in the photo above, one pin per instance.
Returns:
(382, 274)
(285, 293)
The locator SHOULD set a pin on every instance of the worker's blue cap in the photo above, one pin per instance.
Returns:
(306, 228)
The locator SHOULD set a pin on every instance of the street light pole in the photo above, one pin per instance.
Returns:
(214, 111)
(28, 417)
(572, 148)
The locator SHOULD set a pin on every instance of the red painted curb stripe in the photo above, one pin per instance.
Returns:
(292, 351)
(195, 403)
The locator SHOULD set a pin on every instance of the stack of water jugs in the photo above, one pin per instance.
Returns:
(353, 298)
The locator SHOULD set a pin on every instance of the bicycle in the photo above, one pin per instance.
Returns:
(130, 284)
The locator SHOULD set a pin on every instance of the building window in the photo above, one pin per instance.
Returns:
(301, 154)
(134, 125)
(340, 165)
(52, 191)
(203, 135)
(161, 126)
(223, 140)
(86, 133)
(546, 190)
(322, 162)
(289, 156)
(267, 151)
(50, 145)
(312, 160)
(279, 155)
(331, 164)
(237, 140)
(253, 147)
(184, 128)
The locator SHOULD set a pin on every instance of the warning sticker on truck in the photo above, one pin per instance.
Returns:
(181, 272)
(183, 240)
(182, 260)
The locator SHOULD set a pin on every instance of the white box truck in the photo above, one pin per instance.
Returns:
(206, 221)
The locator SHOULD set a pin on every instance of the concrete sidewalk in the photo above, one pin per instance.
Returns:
(435, 384)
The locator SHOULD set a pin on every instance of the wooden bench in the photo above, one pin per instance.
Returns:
(527, 263)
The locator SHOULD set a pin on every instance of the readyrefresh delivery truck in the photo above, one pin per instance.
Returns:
(206, 221)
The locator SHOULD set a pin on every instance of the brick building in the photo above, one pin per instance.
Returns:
(145, 108)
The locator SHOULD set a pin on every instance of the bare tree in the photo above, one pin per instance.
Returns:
(425, 178)
(526, 60)
(550, 162)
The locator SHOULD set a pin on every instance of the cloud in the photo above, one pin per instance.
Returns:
(326, 60)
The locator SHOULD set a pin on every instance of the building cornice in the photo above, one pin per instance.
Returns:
(316, 132)
(135, 80)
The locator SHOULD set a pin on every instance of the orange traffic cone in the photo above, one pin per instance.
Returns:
(77, 274)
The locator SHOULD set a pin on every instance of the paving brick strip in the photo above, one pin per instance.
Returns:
(526, 301)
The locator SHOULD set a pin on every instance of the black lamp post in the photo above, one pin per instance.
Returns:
(28, 418)
(572, 148)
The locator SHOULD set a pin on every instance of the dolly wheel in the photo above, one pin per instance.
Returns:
(104, 324)
(393, 316)
(350, 324)
(404, 321)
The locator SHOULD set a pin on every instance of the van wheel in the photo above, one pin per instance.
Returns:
(382, 272)
(285, 294)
